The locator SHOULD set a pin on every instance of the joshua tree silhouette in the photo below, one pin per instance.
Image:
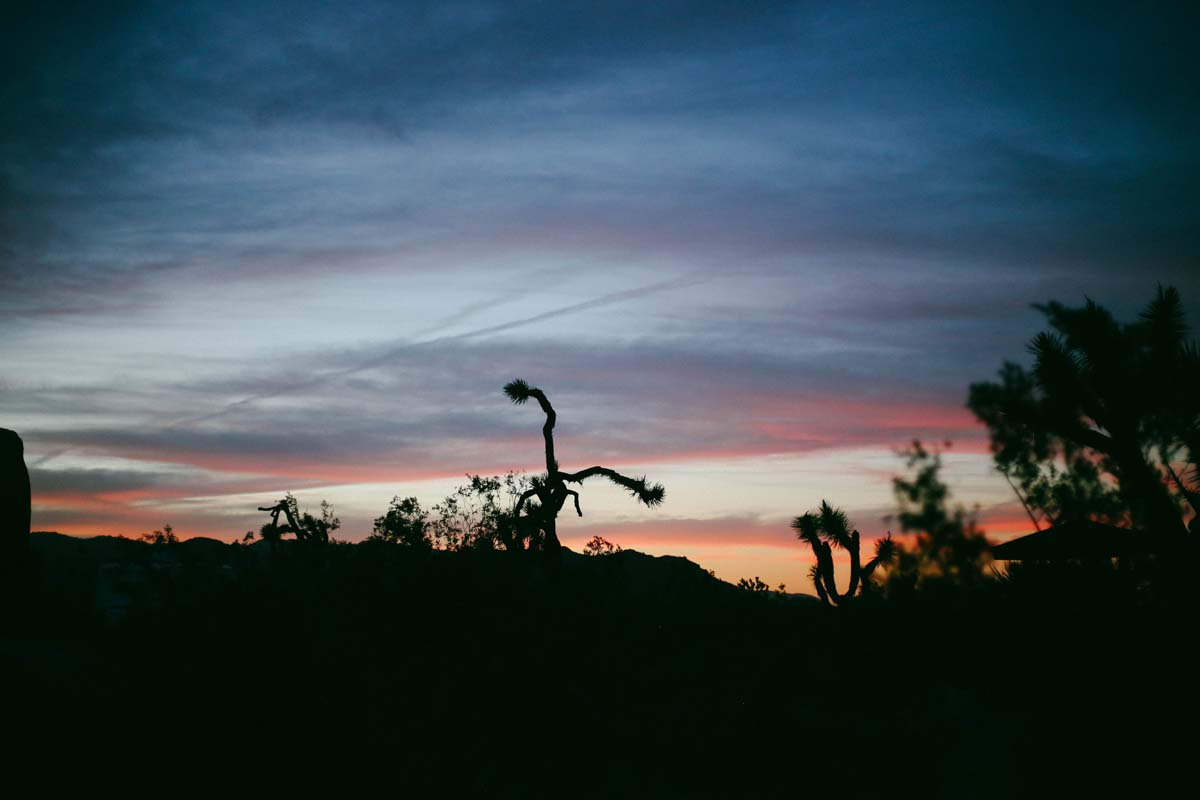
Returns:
(551, 489)
(827, 528)
(305, 527)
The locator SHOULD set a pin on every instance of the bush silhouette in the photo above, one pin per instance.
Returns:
(479, 515)
(160, 537)
(405, 523)
(599, 546)
(950, 551)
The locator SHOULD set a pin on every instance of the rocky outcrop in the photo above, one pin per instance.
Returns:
(14, 502)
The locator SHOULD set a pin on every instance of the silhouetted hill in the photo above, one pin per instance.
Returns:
(50, 545)
(624, 674)
(636, 574)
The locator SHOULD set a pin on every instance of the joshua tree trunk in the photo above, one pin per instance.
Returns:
(823, 577)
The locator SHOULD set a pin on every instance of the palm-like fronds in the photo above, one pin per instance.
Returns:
(834, 525)
(885, 549)
(518, 391)
(808, 528)
(1165, 317)
(651, 494)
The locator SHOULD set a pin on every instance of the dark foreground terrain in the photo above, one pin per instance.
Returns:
(617, 675)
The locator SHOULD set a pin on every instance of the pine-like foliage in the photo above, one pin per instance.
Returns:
(1106, 423)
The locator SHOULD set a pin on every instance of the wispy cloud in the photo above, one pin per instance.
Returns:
(257, 247)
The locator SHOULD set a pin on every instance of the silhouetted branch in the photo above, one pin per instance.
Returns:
(575, 495)
(1021, 497)
(650, 494)
(528, 493)
(519, 391)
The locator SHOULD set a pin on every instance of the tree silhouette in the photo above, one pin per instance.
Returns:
(478, 515)
(551, 491)
(1105, 403)
(599, 546)
(406, 523)
(950, 552)
(305, 527)
(159, 537)
(827, 528)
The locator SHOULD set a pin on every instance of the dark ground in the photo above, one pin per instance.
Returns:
(619, 675)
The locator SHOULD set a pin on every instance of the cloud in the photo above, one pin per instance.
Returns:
(657, 400)
(155, 142)
(253, 247)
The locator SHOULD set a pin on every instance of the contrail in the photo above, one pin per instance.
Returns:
(598, 302)
(502, 298)
(605, 300)
(48, 457)
(394, 351)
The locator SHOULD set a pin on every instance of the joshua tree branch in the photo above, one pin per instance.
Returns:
(1021, 497)
(824, 554)
(293, 525)
(583, 474)
(575, 495)
(528, 493)
(547, 429)
(650, 494)
(855, 567)
(519, 391)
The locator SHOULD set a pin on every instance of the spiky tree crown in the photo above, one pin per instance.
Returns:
(518, 391)
(808, 528)
(885, 549)
(835, 526)
(828, 524)
(651, 494)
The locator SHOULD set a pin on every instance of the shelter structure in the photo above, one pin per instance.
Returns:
(1082, 539)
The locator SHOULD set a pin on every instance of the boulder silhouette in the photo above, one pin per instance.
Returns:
(14, 503)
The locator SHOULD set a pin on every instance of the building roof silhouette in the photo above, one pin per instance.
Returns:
(1077, 539)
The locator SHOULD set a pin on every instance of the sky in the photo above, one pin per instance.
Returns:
(749, 250)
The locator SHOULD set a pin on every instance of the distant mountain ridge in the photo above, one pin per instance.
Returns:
(636, 572)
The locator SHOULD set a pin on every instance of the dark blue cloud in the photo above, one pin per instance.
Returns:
(151, 137)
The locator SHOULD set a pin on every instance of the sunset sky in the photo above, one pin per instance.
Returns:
(748, 249)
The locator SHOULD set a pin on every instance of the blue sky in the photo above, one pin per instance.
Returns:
(748, 249)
